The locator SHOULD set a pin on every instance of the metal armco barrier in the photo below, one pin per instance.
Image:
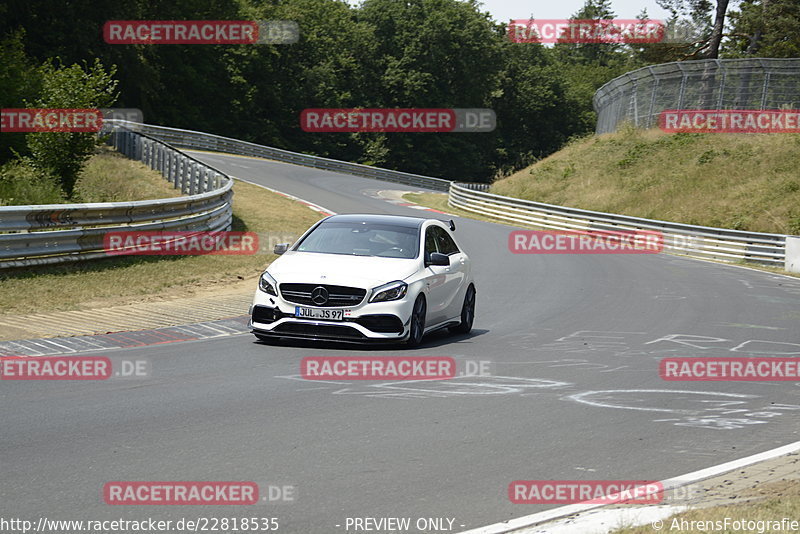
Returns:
(698, 241)
(204, 141)
(75, 231)
(58, 233)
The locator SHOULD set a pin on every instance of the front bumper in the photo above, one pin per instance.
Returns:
(367, 322)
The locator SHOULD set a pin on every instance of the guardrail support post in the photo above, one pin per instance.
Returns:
(137, 143)
(793, 253)
(146, 152)
(171, 172)
(186, 185)
(179, 174)
(192, 178)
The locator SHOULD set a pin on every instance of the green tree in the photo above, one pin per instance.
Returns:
(330, 67)
(382, 53)
(707, 19)
(19, 81)
(677, 45)
(765, 28)
(584, 67)
(602, 54)
(532, 104)
(434, 54)
(62, 154)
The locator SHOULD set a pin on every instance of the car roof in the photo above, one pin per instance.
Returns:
(392, 220)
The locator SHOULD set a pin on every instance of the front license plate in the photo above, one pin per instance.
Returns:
(314, 313)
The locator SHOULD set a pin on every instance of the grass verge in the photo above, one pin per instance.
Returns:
(737, 181)
(776, 501)
(109, 176)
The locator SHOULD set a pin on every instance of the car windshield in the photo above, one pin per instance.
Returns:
(362, 239)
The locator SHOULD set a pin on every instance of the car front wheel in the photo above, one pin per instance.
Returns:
(417, 322)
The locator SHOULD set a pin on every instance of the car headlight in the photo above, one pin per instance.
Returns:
(267, 284)
(391, 291)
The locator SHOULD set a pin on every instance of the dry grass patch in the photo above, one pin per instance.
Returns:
(777, 500)
(738, 181)
(111, 177)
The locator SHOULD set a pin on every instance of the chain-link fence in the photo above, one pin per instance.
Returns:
(639, 96)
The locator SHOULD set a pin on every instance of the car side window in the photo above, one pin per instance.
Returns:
(430, 241)
(445, 242)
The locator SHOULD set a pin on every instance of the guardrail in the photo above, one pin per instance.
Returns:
(204, 141)
(28, 238)
(704, 242)
(57, 233)
(699, 241)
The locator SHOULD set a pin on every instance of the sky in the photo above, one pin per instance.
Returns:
(505, 10)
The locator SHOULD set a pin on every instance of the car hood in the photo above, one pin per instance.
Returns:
(339, 269)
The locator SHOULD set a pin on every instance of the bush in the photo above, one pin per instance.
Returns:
(21, 184)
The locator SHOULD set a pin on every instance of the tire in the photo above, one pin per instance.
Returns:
(417, 327)
(467, 313)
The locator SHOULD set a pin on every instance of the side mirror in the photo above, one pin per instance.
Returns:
(437, 258)
(280, 248)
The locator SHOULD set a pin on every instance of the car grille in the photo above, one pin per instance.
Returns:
(318, 331)
(338, 296)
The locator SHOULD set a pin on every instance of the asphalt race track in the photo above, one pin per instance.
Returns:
(574, 343)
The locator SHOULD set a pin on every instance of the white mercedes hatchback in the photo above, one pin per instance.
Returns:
(366, 278)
